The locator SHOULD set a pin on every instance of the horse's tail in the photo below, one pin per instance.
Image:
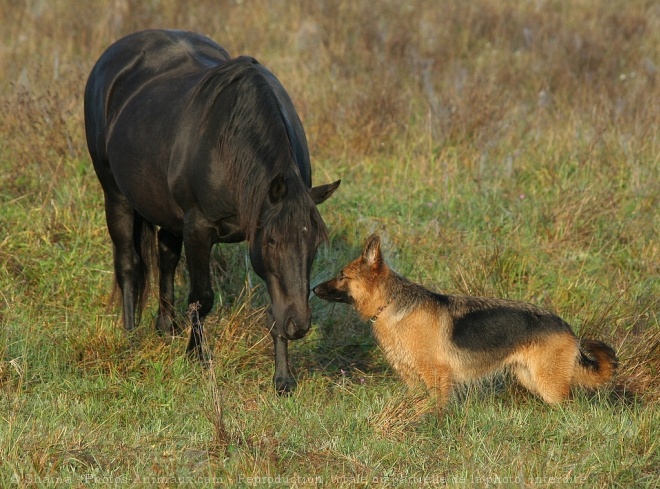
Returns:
(144, 241)
(597, 363)
(144, 234)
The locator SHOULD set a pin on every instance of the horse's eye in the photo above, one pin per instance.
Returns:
(271, 241)
(341, 275)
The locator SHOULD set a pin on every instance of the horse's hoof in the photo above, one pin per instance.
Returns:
(166, 326)
(285, 386)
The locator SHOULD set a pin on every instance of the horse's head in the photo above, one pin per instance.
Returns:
(282, 251)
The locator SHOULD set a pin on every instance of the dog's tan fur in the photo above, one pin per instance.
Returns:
(419, 332)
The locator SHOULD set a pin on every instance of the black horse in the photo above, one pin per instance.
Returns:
(206, 149)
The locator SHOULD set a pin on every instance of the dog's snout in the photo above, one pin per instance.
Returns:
(321, 290)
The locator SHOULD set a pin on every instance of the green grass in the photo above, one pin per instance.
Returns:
(477, 182)
(82, 402)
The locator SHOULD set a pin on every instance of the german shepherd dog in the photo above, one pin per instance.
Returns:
(447, 339)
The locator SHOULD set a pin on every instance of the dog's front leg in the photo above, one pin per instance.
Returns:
(438, 381)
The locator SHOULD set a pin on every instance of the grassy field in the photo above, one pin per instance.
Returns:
(500, 148)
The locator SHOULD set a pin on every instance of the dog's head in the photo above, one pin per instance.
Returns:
(356, 282)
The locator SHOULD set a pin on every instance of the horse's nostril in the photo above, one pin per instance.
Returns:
(290, 328)
(295, 331)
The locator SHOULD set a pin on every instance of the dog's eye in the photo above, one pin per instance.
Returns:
(342, 276)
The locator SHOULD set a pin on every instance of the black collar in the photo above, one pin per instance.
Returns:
(381, 309)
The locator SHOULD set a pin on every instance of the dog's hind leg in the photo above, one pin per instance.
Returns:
(551, 365)
(525, 378)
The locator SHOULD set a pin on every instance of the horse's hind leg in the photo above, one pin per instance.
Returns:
(169, 253)
(121, 220)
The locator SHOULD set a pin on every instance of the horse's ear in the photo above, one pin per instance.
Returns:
(371, 253)
(322, 192)
(277, 189)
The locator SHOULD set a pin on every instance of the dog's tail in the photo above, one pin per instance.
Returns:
(596, 365)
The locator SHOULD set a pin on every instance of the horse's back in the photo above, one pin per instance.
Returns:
(140, 57)
(162, 112)
(160, 50)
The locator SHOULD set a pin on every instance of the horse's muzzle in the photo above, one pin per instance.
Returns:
(292, 331)
(296, 329)
(293, 327)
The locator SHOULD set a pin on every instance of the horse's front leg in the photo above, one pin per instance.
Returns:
(197, 242)
(283, 380)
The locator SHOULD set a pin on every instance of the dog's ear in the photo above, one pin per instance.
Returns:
(371, 253)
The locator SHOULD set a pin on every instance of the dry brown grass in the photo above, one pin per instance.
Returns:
(400, 415)
(365, 77)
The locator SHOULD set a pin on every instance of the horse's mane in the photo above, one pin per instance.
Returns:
(256, 141)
